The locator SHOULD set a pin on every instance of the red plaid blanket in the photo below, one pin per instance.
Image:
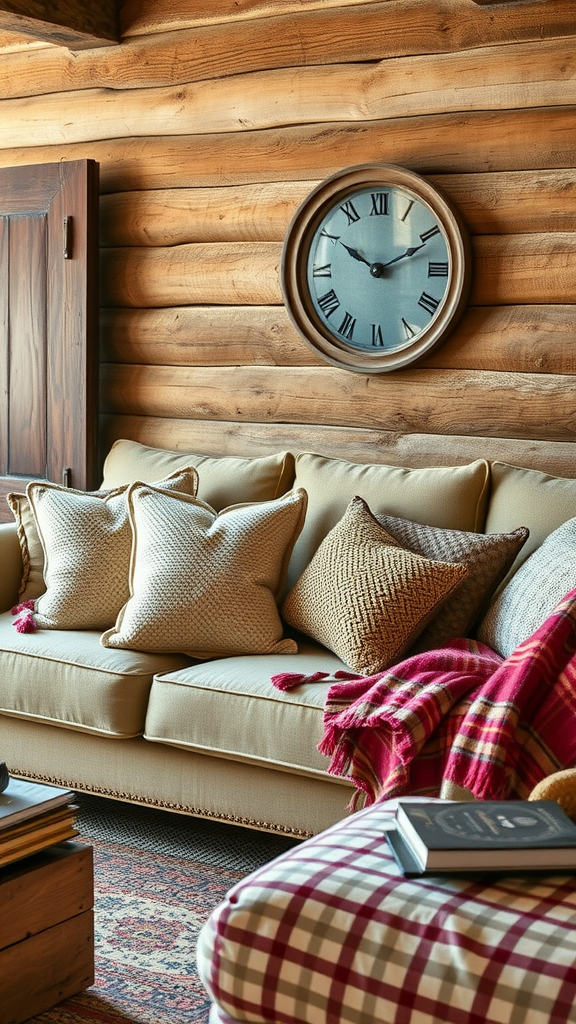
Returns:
(459, 720)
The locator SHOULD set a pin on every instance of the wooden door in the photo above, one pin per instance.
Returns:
(48, 325)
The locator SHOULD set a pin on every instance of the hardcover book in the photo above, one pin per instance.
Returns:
(484, 835)
(23, 799)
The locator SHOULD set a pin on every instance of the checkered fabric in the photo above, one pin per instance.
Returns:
(333, 933)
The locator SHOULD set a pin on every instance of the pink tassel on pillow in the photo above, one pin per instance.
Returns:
(25, 622)
(290, 680)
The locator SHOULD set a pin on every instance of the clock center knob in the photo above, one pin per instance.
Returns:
(376, 269)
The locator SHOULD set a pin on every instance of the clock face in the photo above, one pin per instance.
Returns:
(378, 268)
(375, 269)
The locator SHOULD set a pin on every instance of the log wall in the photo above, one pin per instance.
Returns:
(213, 119)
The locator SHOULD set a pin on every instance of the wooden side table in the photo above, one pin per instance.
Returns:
(46, 930)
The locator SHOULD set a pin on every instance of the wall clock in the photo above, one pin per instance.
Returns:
(376, 268)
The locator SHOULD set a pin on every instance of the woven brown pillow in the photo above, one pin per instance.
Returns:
(364, 596)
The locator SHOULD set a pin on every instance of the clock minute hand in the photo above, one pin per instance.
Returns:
(356, 255)
(409, 252)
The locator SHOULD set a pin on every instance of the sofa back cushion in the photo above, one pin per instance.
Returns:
(222, 481)
(454, 497)
(527, 497)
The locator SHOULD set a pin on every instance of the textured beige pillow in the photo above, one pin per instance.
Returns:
(86, 541)
(453, 497)
(533, 592)
(32, 584)
(206, 583)
(364, 596)
(223, 481)
(486, 556)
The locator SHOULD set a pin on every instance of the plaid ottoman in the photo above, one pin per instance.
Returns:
(331, 932)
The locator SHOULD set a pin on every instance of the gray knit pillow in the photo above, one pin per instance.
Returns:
(487, 558)
(532, 593)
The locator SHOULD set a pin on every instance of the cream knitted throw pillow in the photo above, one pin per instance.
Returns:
(206, 583)
(86, 539)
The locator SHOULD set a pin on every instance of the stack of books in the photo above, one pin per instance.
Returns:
(506, 836)
(33, 816)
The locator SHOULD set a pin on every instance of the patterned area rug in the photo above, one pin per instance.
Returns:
(157, 876)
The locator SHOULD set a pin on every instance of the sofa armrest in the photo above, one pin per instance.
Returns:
(10, 566)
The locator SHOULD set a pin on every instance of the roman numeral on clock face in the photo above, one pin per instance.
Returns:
(377, 339)
(408, 329)
(430, 234)
(347, 326)
(437, 269)
(379, 204)
(325, 271)
(351, 212)
(329, 302)
(428, 302)
(326, 234)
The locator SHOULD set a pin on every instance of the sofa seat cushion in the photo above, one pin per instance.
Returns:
(229, 708)
(67, 678)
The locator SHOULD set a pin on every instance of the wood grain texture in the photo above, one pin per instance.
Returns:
(509, 269)
(236, 273)
(524, 339)
(314, 38)
(356, 444)
(433, 24)
(498, 203)
(538, 406)
(203, 336)
(528, 75)
(211, 123)
(441, 143)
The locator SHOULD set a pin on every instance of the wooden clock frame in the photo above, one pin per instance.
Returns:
(334, 191)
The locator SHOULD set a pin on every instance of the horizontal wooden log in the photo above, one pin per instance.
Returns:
(513, 77)
(524, 268)
(506, 269)
(242, 213)
(535, 405)
(489, 203)
(315, 37)
(203, 336)
(523, 339)
(442, 24)
(442, 143)
(234, 274)
(211, 437)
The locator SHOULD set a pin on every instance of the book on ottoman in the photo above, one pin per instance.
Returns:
(483, 835)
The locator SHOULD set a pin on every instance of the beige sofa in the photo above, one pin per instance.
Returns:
(159, 619)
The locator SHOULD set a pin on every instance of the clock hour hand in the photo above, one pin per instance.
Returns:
(409, 252)
(356, 255)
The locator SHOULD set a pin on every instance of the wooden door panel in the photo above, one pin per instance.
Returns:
(48, 325)
(27, 357)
